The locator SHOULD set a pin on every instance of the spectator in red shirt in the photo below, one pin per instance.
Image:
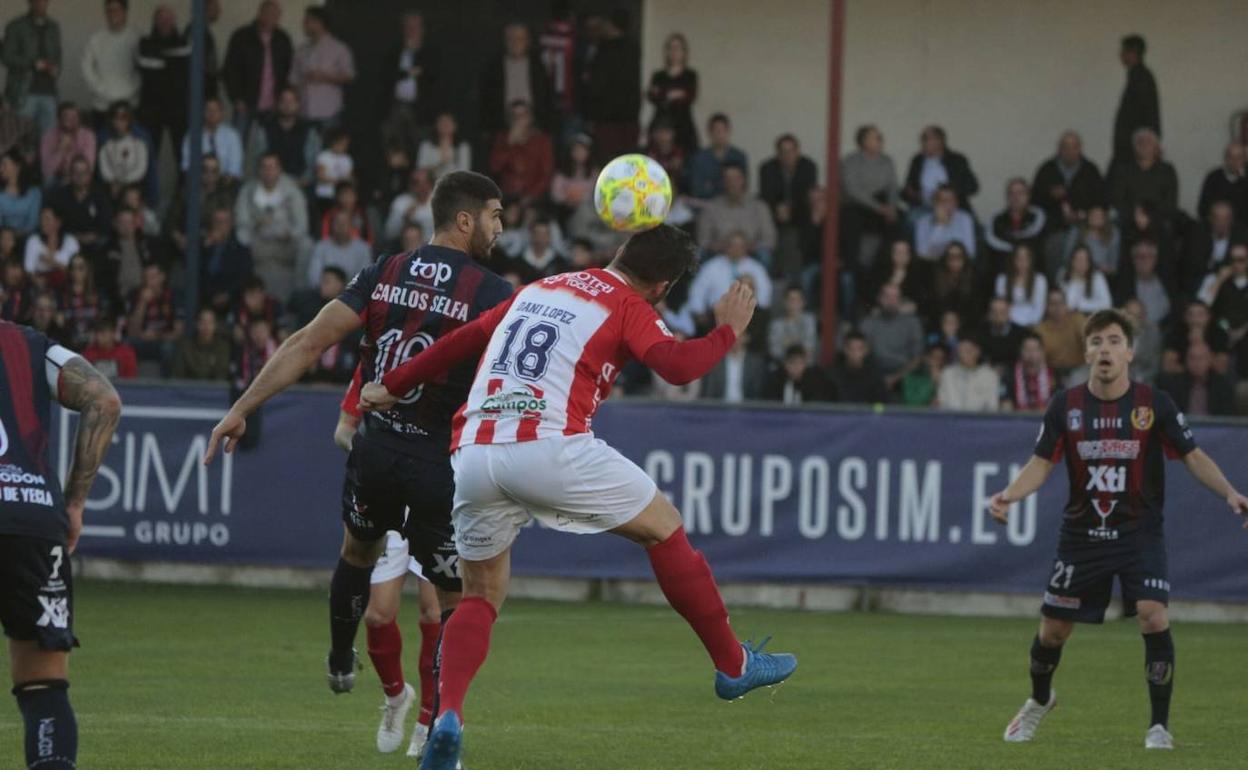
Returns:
(522, 159)
(115, 360)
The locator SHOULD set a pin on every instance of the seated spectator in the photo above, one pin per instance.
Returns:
(1030, 383)
(395, 178)
(306, 303)
(588, 226)
(736, 212)
(948, 333)
(517, 216)
(797, 381)
(953, 288)
(1209, 246)
(225, 263)
(255, 303)
(1061, 334)
(8, 245)
(257, 347)
(342, 249)
(216, 192)
(1230, 295)
(154, 324)
(1068, 185)
(17, 132)
(129, 251)
(285, 132)
(1019, 222)
(1146, 364)
(870, 196)
(219, 139)
(45, 318)
(333, 166)
(895, 337)
(20, 197)
(540, 257)
(716, 275)
(1196, 326)
(794, 326)
(1002, 338)
(919, 387)
(1146, 285)
(943, 224)
(271, 217)
(49, 248)
(898, 267)
(936, 166)
(1199, 389)
(1084, 286)
(132, 198)
(1145, 225)
(17, 291)
(1147, 178)
(581, 255)
(784, 184)
(574, 180)
(522, 158)
(413, 207)
(63, 142)
(206, 356)
(347, 201)
(706, 167)
(967, 384)
(446, 150)
(1100, 236)
(114, 359)
(663, 148)
(124, 156)
(740, 376)
(1228, 182)
(81, 305)
(1024, 287)
(411, 238)
(855, 380)
(85, 210)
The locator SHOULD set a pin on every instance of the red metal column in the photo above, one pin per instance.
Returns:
(831, 222)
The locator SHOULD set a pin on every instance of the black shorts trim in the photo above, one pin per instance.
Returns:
(1081, 580)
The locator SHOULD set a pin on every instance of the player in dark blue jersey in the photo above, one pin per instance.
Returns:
(40, 524)
(399, 459)
(1115, 435)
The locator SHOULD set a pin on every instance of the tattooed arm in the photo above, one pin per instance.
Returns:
(86, 391)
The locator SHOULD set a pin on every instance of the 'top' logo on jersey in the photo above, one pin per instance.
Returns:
(437, 273)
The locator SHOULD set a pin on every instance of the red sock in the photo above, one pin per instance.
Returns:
(690, 588)
(465, 643)
(385, 647)
(428, 648)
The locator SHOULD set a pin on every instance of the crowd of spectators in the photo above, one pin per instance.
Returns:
(939, 305)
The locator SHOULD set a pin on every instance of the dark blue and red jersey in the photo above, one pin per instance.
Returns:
(1115, 454)
(407, 301)
(30, 493)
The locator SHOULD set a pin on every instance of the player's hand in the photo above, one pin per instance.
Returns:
(736, 307)
(75, 522)
(999, 507)
(1239, 504)
(231, 429)
(375, 398)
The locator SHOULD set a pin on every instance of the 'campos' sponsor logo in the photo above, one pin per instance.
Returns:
(515, 401)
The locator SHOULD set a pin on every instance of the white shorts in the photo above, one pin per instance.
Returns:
(395, 561)
(573, 484)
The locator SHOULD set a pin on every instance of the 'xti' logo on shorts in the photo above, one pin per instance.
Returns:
(55, 612)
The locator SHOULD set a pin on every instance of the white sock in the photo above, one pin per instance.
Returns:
(394, 700)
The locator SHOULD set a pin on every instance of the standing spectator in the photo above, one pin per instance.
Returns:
(206, 356)
(796, 382)
(1139, 106)
(81, 305)
(286, 133)
(1146, 178)
(522, 159)
(219, 139)
(20, 197)
(124, 158)
(257, 65)
(1024, 287)
(413, 72)
(1085, 287)
(706, 179)
(740, 376)
(412, 207)
(969, 385)
(559, 46)
(109, 63)
(855, 380)
(84, 209)
(942, 225)
(515, 75)
(1229, 183)
(735, 211)
(32, 56)
(446, 151)
(1100, 236)
(214, 192)
(212, 60)
(1067, 185)
(153, 325)
(121, 271)
(717, 274)
(164, 64)
(784, 185)
(1030, 383)
(322, 66)
(1209, 246)
(936, 166)
(1019, 222)
(673, 90)
(895, 336)
(271, 217)
(795, 326)
(954, 285)
(67, 140)
(224, 262)
(1003, 337)
(342, 249)
(574, 180)
(1146, 284)
(1147, 361)
(114, 359)
(1199, 390)
(612, 98)
(49, 248)
(870, 196)
(920, 387)
(1061, 334)
(333, 165)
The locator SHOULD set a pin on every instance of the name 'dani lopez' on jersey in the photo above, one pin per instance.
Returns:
(418, 299)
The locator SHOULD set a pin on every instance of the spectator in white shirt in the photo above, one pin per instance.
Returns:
(49, 249)
(333, 164)
(1024, 287)
(718, 273)
(969, 385)
(794, 327)
(220, 139)
(110, 62)
(1085, 287)
(414, 206)
(446, 150)
(943, 225)
(123, 158)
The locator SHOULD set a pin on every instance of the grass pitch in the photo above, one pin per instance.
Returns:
(175, 677)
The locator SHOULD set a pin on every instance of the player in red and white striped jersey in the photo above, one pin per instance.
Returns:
(522, 446)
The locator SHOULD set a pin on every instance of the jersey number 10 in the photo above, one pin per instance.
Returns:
(393, 351)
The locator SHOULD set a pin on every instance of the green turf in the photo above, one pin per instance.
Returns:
(187, 677)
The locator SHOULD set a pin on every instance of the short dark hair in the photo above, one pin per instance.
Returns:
(253, 282)
(1103, 319)
(319, 13)
(663, 253)
(125, 4)
(856, 335)
(794, 350)
(461, 191)
(860, 135)
(732, 164)
(718, 117)
(786, 138)
(337, 272)
(1134, 44)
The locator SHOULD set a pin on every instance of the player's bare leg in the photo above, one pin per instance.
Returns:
(1046, 653)
(687, 582)
(41, 683)
(431, 614)
(1159, 670)
(385, 649)
(348, 597)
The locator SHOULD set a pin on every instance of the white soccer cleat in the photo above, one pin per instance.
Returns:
(1158, 737)
(393, 717)
(1023, 726)
(420, 734)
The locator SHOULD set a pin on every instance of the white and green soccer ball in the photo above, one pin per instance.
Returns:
(633, 193)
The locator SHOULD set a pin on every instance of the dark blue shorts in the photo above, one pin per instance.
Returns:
(1081, 582)
(37, 592)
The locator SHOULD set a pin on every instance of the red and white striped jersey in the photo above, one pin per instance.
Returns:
(553, 358)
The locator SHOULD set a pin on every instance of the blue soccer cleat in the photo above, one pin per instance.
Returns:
(442, 748)
(762, 669)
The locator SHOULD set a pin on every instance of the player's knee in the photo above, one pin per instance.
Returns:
(361, 553)
(379, 616)
(1054, 634)
(430, 614)
(1153, 618)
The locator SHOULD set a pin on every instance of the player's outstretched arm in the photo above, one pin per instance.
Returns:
(680, 363)
(86, 391)
(295, 356)
(1208, 473)
(1030, 478)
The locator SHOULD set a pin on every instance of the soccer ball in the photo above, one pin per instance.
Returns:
(633, 193)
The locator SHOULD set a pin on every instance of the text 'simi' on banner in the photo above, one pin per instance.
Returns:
(769, 494)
